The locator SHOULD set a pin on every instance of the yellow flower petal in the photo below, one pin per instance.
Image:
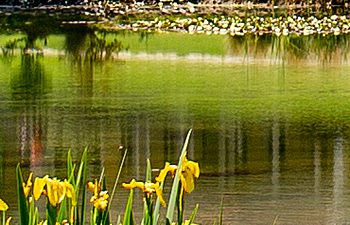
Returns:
(95, 188)
(56, 191)
(28, 185)
(140, 185)
(70, 192)
(147, 188)
(167, 168)
(39, 185)
(3, 206)
(101, 203)
(104, 194)
(91, 186)
(159, 193)
(8, 221)
(134, 184)
(187, 180)
(189, 171)
(51, 192)
(61, 191)
(193, 167)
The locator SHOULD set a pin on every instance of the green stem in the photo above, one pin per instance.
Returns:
(180, 204)
(105, 219)
(117, 179)
(51, 214)
(22, 200)
(149, 210)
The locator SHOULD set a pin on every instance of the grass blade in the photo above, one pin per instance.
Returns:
(116, 181)
(157, 207)
(81, 179)
(148, 171)
(128, 217)
(83, 189)
(147, 206)
(22, 201)
(194, 214)
(70, 168)
(62, 212)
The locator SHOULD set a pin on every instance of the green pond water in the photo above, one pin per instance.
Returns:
(271, 121)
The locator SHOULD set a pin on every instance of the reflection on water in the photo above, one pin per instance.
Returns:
(292, 48)
(85, 44)
(276, 136)
(30, 82)
(271, 139)
(338, 180)
(29, 86)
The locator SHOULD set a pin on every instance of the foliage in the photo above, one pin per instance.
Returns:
(63, 196)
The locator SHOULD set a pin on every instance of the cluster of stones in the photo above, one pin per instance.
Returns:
(167, 15)
(235, 25)
(199, 18)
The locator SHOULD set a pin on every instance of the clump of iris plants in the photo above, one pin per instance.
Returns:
(62, 196)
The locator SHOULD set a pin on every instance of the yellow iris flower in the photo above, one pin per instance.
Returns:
(189, 171)
(148, 188)
(3, 205)
(100, 198)
(28, 185)
(54, 189)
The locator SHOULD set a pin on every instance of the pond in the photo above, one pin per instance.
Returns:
(270, 117)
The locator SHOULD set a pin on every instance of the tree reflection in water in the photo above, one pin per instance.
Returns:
(28, 88)
(85, 49)
(291, 48)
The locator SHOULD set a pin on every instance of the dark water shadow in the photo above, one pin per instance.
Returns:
(31, 82)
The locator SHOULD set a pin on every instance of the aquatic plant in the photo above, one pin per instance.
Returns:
(63, 196)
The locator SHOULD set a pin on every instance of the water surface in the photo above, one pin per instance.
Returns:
(271, 133)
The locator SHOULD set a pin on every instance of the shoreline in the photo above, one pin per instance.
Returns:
(231, 19)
